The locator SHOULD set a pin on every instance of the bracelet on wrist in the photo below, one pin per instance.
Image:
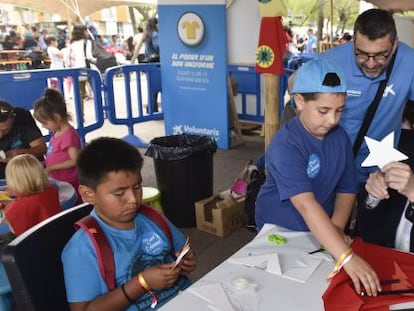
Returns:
(142, 282)
(144, 285)
(125, 294)
(345, 257)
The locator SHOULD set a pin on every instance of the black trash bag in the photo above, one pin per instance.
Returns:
(178, 147)
(184, 171)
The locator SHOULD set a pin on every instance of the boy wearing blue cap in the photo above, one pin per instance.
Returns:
(311, 181)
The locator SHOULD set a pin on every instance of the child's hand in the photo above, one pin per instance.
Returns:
(161, 277)
(189, 262)
(361, 273)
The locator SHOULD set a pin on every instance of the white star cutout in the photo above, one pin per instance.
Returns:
(382, 152)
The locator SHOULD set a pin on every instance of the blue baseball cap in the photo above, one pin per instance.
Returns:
(319, 76)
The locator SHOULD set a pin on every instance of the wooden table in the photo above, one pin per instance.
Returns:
(13, 60)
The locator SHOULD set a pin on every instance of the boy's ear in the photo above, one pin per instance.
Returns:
(87, 194)
(299, 101)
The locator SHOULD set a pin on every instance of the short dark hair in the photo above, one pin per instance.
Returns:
(375, 24)
(6, 111)
(105, 155)
(50, 39)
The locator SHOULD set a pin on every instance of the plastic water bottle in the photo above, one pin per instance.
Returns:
(371, 202)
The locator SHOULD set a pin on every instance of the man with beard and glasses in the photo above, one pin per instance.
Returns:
(365, 62)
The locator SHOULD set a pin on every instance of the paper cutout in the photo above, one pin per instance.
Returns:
(297, 268)
(399, 274)
(256, 261)
(382, 152)
(214, 295)
(186, 248)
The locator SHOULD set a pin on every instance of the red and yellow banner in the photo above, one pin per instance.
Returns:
(271, 47)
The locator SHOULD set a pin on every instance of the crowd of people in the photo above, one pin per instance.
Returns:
(142, 47)
(307, 44)
(314, 174)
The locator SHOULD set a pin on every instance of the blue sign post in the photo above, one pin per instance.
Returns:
(193, 49)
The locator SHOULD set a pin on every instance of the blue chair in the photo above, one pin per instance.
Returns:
(33, 265)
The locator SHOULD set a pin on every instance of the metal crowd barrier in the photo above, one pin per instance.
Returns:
(249, 99)
(124, 102)
(23, 88)
(130, 81)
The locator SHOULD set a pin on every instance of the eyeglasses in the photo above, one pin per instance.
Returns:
(5, 111)
(379, 58)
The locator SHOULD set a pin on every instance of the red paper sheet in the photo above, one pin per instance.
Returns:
(389, 264)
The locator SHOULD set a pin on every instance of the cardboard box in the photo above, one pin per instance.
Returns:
(219, 214)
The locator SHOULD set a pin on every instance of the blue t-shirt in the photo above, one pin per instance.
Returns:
(310, 45)
(297, 162)
(362, 90)
(134, 251)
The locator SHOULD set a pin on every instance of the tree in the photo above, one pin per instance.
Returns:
(344, 13)
(146, 11)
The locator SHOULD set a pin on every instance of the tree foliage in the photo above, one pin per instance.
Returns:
(146, 11)
(305, 13)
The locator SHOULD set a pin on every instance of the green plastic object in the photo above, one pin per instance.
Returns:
(276, 239)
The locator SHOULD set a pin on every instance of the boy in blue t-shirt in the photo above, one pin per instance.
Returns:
(311, 179)
(110, 178)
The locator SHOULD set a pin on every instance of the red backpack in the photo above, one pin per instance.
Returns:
(103, 250)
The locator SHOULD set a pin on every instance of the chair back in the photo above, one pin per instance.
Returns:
(33, 265)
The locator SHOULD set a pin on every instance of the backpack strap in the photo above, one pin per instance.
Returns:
(101, 245)
(103, 250)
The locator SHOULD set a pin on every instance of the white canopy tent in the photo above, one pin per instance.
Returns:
(79, 8)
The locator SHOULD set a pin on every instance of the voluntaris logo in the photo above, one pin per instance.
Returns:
(354, 93)
(389, 90)
(191, 129)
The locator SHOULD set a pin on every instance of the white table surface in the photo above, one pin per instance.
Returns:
(274, 292)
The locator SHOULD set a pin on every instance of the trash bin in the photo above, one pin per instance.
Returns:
(184, 172)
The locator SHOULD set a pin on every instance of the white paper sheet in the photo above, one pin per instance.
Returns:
(214, 295)
(297, 266)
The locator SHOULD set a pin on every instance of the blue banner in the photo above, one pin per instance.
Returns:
(193, 49)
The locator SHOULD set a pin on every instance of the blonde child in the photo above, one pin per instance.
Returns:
(36, 199)
(64, 145)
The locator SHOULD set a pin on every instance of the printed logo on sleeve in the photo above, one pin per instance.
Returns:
(314, 166)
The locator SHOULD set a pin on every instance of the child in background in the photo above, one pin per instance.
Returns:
(311, 182)
(67, 64)
(55, 56)
(64, 145)
(110, 179)
(36, 199)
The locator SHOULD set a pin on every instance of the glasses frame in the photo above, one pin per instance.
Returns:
(383, 57)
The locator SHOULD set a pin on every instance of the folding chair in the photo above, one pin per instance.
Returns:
(32, 262)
